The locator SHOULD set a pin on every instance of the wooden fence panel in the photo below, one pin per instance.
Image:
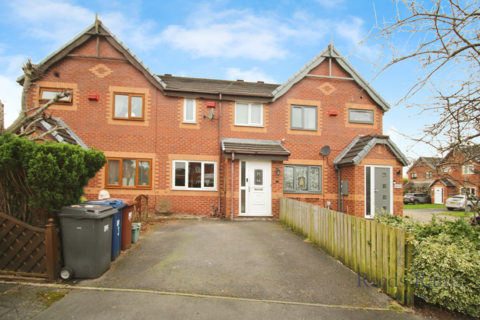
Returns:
(380, 253)
(28, 251)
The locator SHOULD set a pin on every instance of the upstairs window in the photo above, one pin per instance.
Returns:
(413, 175)
(128, 173)
(446, 169)
(428, 174)
(304, 118)
(129, 106)
(47, 94)
(467, 169)
(249, 114)
(360, 116)
(189, 111)
(302, 179)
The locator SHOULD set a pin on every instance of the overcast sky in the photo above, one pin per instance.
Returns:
(250, 40)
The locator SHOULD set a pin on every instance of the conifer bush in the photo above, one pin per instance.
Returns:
(36, 179)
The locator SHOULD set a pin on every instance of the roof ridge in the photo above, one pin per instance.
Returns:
(234, 81)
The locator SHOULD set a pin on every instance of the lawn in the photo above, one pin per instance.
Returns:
(457, 213)
(423, 206)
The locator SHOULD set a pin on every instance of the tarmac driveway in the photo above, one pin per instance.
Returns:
(247, 259)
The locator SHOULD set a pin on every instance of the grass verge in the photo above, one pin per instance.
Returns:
(457, 213)
(423, 206)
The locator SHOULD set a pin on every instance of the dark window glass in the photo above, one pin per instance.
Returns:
(258, 177)
(242, 170)
(143, 173)
(368, 195)
(194, 174)
(242, 202)
(180, 174)
(209, 175)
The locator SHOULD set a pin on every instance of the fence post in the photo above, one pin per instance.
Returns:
(51, 251)
(410, 292)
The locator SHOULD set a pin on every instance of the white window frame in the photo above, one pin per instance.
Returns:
(413, 175)
(202, 188)
(362, 111)
(249, 115)
(470, 189)
(446, 169)
(428, 174)
(470, 169)
(194, 111)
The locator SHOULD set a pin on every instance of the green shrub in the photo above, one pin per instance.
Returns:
(446, 261)
(38, 178)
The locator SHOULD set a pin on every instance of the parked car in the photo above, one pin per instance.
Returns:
(458, 202)
(416, 198)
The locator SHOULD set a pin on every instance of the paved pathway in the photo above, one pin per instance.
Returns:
(425, 215)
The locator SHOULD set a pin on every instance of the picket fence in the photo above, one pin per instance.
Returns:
(378, 253)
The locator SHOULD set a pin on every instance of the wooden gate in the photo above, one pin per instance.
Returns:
(27, 251)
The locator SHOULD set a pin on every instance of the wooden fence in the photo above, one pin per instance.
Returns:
(27, 251)
(377, 252)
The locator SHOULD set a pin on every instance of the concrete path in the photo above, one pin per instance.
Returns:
(251, 259)
(425, 215)
(134, 305)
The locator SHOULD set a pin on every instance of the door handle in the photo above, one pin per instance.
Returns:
(259, 189)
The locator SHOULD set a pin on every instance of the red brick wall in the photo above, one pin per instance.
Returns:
(162, 137)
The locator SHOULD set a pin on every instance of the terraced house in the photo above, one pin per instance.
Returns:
(233, 145)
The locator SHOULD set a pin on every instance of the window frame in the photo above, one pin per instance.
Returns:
(202, 188)
(428, 174)
(307, 182)
(120, 169)
(56, 90)
(474, 193)
(303, 117)
(249, 114)
(185, 111)
(413, 175)
(130, 95)
(358, 121)
(464, 169)
(446, 169)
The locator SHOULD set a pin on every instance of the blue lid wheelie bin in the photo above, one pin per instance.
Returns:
(117, 223)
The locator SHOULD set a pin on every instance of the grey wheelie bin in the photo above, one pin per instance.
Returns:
(87, 240)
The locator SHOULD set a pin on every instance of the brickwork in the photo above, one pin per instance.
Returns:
(162, 137)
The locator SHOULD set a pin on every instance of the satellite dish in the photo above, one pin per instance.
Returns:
(325, 151)
(210, 114)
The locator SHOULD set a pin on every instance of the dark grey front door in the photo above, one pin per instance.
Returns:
(382, 189)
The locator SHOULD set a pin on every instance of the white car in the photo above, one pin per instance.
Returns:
(458, 202)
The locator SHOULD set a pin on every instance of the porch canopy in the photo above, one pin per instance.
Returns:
(354, 153)
(251, 149)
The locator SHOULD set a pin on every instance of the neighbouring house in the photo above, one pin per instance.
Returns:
(233, 145)
(442, 178)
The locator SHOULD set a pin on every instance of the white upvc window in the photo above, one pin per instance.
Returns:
(467, 169)
(471, 191)
(248, 114)
(446, 169)
(194, 175)
(189, 109)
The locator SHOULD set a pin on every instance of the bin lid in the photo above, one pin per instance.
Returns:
(87, 211)
(114, 203)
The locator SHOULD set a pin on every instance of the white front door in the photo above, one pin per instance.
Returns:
(438, 194)
(256, 192)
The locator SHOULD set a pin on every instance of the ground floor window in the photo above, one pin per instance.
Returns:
(194, 175)
(128, 173)
(471, 191)
(302, 179)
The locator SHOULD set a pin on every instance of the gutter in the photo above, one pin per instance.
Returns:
(221, 92)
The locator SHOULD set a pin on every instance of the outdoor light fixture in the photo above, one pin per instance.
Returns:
(399, 171)
(278, 171)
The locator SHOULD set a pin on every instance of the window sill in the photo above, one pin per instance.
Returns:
(128, 119)
(130, 188)
(192, 189)
(371, 123)
(189, 122)
(304, 129)
(249, 125)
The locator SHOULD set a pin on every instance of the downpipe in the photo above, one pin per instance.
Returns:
(339, 174)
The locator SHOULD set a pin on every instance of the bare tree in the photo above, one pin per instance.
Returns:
(443, 38)
(25, 124)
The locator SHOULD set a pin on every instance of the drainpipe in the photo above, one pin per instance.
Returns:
(233, 159)
(339, 174)
(219, 153)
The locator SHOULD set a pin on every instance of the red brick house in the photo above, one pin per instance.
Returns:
(261, 141)
(445, 177)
